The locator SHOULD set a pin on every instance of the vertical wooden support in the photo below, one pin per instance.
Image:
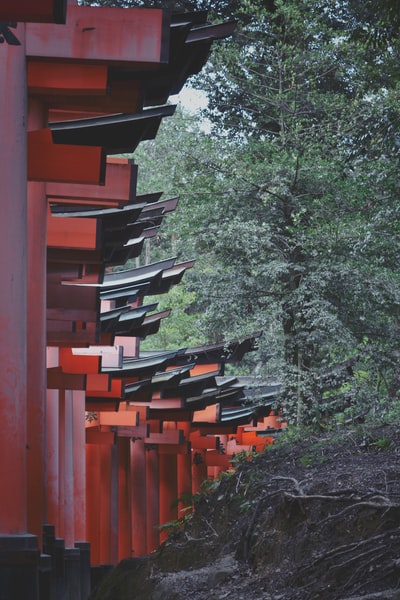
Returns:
(114, 517)
(78, 409)
(199, 470)
(13, 299)
(153, 499)
(93, 500)
(52, 448)
(61, 464)
(184, 483)
(184, 474)
(103, 496)
(124, 499)
(168, 490)
(19, 562)
(68, 508)
(138, 482)
(36, 341)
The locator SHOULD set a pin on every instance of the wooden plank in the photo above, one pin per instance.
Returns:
(167, 437)
(37, 11)
(64, 79)
(62, 162)
(139, 431)
(72, 233)
(211, 442)
(119, 187)
(121, 97)
(216, 459)
(57, 380)
(124, 418)
(114, 35)
(73, 363)
(95, 436)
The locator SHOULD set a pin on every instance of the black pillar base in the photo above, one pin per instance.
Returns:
(19, 567)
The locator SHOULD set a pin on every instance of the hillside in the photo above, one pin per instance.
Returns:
(316, 518)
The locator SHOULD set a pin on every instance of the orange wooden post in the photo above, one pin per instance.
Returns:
(52, 448)
(103, 497)
(93, 500)
(168, 490)
(78, 408)
(199, 469)
(124, 499)
(36, 343)
(153, 498)
(67, 507)
(61, 464)
(138, 482)
(184, 462)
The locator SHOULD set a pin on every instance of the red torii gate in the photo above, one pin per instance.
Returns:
(62, 83)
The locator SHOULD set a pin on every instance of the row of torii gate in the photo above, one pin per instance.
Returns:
(99, 439)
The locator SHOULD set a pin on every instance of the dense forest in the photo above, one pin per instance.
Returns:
(289, 200)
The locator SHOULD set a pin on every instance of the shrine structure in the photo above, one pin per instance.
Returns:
(99, 439)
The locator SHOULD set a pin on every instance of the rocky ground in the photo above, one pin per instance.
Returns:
(316, 518)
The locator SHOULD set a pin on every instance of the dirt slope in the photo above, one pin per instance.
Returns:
(315, 519)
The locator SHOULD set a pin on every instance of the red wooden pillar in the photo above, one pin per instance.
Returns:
(52, 448)
(199, 469)
(168, 490)
(68, 483)
(124, 499)
(153, 499)
(36, 342)
(184, 474)
(93, 500)
(104, 498)
(138, 482)
(78, 408)
(13, 299)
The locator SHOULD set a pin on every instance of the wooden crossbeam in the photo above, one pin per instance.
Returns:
(115, 35)
(61, 162)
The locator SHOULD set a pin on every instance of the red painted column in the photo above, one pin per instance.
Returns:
(78, 408)
(199, 470)
(184, 474)
(103, 497)
(61, 465)
(13, 299)
(68, 508)
(52, 448)
(36, 344)
(93, 500)
(124, 499)
(153, 499)
(138, 482)
(168, 490)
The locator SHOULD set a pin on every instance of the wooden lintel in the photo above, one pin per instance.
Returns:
(171, 436)
(118, 189)
(139, 431)
(72, 233)
(123, 418)
(39, 11)
(95, 436)
(61, 162)
(210, 442)
(114, 35)
(174, 448)
(65, 79)
(57, 380)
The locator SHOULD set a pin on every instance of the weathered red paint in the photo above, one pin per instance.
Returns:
(39, 11)
(114, 35)
(13, 300)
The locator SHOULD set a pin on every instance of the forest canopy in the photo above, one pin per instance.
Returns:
(290, 199)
